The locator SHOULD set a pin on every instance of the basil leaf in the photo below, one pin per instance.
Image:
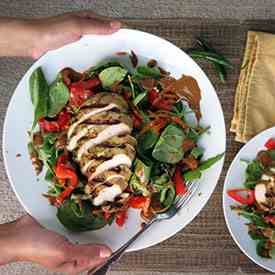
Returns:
(169, 146)
(112, 75)
(39, 92)
(58, 97)
(79, 221)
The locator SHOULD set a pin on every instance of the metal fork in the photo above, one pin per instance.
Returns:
(171, 212)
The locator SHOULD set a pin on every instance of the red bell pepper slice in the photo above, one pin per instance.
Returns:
(121, 218)
(65, 172)
(138, 202)
(270, 144)
(179, 182)
(82, 90)
(155, 99)
(248, 199)
(60, 124)
(270, 218)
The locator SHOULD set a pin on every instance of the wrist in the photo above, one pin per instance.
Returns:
(20, 36)
(8, 243)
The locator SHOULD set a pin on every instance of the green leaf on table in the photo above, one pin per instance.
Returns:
(112, 75)
(58, 97)
(39, 92)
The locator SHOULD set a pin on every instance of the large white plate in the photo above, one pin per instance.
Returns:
(234, 179)
(80, 55)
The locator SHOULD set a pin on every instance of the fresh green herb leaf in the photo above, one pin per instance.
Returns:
(254, 170)
(79, 221)
(139, 98)
(169, 146)
(145, 72)
(250, 184)
(167, 196)
(58, 97)
(95, 70)
(197, 152)
(39, 91)
(147, 140)
(112, 75)
(209, 162)
(192, 175)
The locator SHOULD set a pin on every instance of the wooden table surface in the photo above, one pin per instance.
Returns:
(204, 246)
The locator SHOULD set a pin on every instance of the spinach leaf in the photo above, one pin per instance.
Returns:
(169, 146)
(79, 220)
(197, 173)
(100, 67)
(250, 184)
(147, 140)
(112, 75)
(254, 170)
(39, 92)
(261, 248)
(254, 235)
(271, 153)
(167, 196)
(58, 97)
(145, 72)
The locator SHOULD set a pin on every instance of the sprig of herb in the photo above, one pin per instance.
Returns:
(206, 52)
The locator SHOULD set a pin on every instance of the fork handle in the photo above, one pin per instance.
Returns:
(116, 255)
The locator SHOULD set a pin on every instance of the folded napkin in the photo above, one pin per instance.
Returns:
(254, 109)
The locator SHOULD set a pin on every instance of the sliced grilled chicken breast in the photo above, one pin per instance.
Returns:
(101, 142)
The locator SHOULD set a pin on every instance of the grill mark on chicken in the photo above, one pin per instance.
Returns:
(109, 145)
(100, 158)
(102, 122)
(96, 105)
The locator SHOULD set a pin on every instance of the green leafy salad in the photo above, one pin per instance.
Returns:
(257, 200)
(115, 137)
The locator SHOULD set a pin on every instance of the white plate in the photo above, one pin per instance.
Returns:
(234, 179)
(81, 55)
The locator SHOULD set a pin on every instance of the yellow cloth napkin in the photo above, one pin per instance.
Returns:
(254, 109)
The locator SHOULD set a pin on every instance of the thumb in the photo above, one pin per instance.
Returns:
(98, 26)
(84, 257)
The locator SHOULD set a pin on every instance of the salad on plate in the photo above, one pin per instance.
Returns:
(256, 200)
(115, 137)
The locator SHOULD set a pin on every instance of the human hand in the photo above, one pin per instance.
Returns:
(54, 32)
(26, 240)
(34, 37)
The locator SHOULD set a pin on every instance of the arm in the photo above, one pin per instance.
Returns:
(26, 240)
(34, 37)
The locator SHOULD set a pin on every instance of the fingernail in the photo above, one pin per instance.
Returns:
(104, 253)
(115, 24)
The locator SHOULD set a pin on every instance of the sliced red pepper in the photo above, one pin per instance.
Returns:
(157, 101)
(136, 121)
(64, 171)
(60, 124)
(121, 218)
(106, 215)
(270, 218)
(270, 144)
(179, 182)
(138, 202)
(82, 90)
(247, 199)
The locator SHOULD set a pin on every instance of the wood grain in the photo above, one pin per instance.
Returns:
(205, 245)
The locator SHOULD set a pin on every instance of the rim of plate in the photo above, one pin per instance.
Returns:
(179, 51)
(227, 178)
